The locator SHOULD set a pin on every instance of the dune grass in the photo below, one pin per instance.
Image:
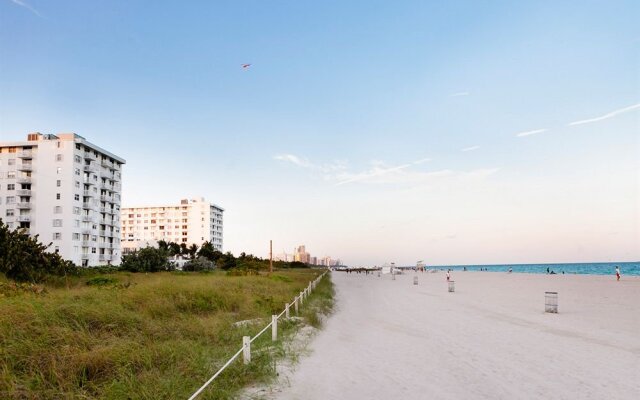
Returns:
(143, 336)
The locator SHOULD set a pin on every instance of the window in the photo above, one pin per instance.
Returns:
(76, 171)
(11, 186)
(77, 185)
(9, 213)
(57, 196)
(77, 159)
(76, 197)
(76, 236)
(57, 236)
(58, 183)
(59, 144)
(10, 200)
(57, 223)
(11, 161)
(76, 210)
(76, 223)
(57, 210)
(58, 157)
(11, 175)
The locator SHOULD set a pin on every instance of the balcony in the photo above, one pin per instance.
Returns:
(87, 205)
(25, 167)
(102, 232)
(88, 155)
(24, 179)
(85, 256)
(88, 193)
(106, 163)
(105, 257)
(23, 218)
(87, 218)
(91, 169)
(87, 231)
(23, 192)
(23, 206)
(25, 154)
(106, 198)
(26, 231)
(89, 182)
(87, 243)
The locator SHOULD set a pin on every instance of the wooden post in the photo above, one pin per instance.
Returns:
(301, 298)
(295, 305)
(270, 256)
(286, 310)
(274, 328)
(246, 349)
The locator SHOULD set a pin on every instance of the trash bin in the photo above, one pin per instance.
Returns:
(452, 286)
(551, 302)
(415, 280)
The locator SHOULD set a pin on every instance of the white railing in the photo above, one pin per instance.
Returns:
(245, 350)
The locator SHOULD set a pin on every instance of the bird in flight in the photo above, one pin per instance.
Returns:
(245, 66)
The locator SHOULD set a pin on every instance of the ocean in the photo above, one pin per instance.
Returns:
(626, 268)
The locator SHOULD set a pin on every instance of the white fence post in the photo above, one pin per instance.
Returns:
(301, 298)
(286, 310)
(274, 328)
(246, 352)
(295, 305)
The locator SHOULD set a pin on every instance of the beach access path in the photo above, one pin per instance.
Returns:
(491, 339)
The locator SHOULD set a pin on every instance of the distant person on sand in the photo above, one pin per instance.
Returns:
(617, 273)
(547, 270)
(510, 270)
(448, 275)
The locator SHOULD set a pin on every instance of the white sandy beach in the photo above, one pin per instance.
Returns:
(489, 340)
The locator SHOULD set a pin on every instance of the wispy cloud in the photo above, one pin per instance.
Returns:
(458, 94)
(294, 160)
(381, 173)
(472, 148)
(421, 161)
(606, 116)
(304, 163)
(21, 3)
(374, 172)
(529, 133)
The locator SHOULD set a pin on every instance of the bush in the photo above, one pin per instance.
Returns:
(23, 258)
(199, 264)
(148, 259)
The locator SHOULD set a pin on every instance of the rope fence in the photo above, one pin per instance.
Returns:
(245, 350)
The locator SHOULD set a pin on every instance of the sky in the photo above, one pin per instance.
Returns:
(457, 132)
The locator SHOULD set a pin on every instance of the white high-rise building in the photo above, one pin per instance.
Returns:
(191, 222)
(66, 190)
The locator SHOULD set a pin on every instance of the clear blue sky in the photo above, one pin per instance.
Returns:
(367, 130)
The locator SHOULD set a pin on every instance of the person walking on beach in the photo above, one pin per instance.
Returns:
(617, 273)
(448, 275)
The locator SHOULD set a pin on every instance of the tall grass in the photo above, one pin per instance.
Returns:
(140, 336)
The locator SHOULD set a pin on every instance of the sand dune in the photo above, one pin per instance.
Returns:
(489, 340)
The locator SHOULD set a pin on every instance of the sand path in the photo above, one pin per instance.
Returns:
(489, 340)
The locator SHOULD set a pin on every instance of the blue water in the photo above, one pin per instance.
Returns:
(626, 268)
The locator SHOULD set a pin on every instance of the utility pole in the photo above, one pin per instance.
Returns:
(270, 256)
